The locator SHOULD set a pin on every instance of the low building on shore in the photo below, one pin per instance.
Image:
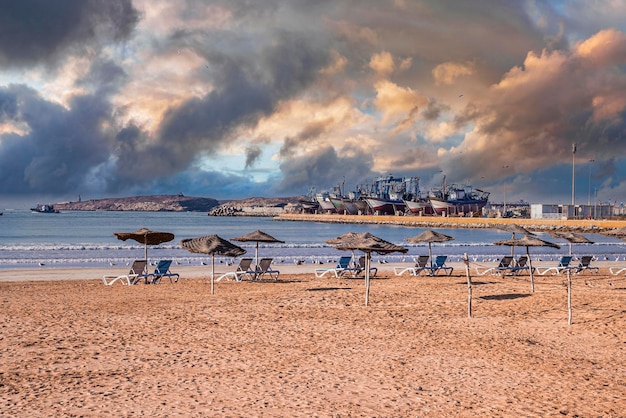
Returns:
(559, 211)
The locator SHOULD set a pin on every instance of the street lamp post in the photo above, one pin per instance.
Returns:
(573, 164)
(504, 202)
(589, 192)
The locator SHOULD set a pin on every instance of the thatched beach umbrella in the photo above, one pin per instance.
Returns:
(617, 232)
(429, 236)
(146, 237)
(213, 245)
(571, 238)
(514, 229)
(528, 241)
(257, 236)
(367, 243)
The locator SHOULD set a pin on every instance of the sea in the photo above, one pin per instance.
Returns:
(86, 239)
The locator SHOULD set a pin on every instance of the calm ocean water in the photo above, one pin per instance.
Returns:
(85, 239)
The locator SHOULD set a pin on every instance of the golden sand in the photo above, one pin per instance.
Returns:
(306, 347)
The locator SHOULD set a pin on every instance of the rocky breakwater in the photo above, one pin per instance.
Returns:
(537, 225)
(153, 203)
(254, 206)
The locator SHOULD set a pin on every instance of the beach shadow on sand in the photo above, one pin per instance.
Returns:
(508, 296)
(478, 283)
(322, 289)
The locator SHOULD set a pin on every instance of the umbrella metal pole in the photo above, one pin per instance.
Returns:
(212, 274)
(256, 260)
(569, 297)
(469, 285)
(367, 278)
(530, 266)
(430, 254)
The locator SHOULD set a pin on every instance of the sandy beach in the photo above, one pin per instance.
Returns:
(305, 346)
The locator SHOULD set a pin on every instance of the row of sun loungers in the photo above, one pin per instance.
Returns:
(245, 269)
(138, 273)
(344, 266)
(421, 264)
(507, 265)
(564, 265)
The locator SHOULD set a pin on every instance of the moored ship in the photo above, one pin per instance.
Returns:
(387, 194)
(454, 199)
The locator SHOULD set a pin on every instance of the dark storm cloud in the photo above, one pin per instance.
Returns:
(247, 88)
(60, 147)
(323, 168)
(252, 155)
(310, 132)
(211, 183)
(8, 105)
(40, 31)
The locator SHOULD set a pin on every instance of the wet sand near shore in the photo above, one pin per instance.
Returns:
(305, 346)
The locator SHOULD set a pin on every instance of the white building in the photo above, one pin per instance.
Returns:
(556, 211)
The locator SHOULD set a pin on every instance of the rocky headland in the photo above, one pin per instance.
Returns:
(153, 203)
(253, 206)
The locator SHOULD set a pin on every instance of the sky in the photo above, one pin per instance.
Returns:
(246, 98)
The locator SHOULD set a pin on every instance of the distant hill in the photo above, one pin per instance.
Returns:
(154, 203)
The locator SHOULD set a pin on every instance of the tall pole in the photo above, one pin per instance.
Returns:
(504, 185)
(589, 192)
(573, 165)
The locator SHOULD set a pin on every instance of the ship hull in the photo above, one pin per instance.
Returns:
(385, 207)
(441, 206)
(420, 207)
(325, 204)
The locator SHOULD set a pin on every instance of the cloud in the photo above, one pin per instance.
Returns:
(121, 96)
(323, 168)
(396, 102)
(529, 119)
(252, 155)
(382, 64)
(60, 147)
(448, 72)
(39, 31)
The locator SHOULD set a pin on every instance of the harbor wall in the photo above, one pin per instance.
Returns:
(579, 225)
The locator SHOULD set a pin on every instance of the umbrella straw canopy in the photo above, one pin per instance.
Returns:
(571, 238)
(213, 245)
(618, 232)
(257, 236)
(514, 229)
(146, 237)
(429, 236)
(528, 241)
(367, 243)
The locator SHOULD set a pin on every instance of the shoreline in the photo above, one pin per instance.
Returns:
(579, 225)
(287, 271)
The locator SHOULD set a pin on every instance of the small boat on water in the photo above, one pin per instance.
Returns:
(44, 209)
(454, 199)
